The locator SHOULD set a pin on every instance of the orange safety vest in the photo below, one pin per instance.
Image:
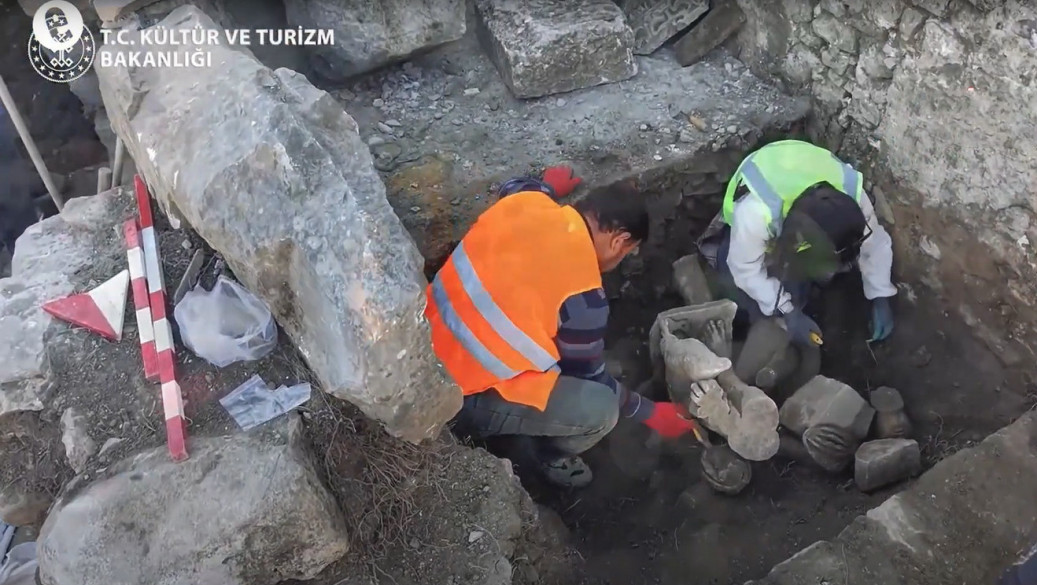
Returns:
(493, 307)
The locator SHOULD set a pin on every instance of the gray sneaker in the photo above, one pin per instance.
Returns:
(568, 472)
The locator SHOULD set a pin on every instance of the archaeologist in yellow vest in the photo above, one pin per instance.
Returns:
(518, 319)
(795, 215)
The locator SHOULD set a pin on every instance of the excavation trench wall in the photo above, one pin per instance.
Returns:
(935, 100)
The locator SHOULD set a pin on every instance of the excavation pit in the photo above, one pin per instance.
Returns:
(445, 131)
(647, 517)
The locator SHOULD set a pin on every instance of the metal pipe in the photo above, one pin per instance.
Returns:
(120, 154)
(30, 146)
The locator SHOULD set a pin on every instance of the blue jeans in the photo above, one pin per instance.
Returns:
(578, 415)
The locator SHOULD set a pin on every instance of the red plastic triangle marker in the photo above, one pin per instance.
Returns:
(100, 310)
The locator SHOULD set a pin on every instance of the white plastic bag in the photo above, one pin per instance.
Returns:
(225, 325)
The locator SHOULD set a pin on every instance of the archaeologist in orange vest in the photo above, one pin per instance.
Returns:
(518, 318)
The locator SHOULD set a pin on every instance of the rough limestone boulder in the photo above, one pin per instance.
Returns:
(275, 177)
(247, 509)
(373, 33)
(543, 47)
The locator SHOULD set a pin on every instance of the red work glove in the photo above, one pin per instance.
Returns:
(668, 422)
(562, 179)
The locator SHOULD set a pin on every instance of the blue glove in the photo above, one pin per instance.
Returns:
(800, 327)
(881, 319)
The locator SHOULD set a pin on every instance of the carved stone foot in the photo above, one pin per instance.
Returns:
(718, 337)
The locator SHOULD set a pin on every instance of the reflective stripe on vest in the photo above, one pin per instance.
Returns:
(493, 307)
(750, 174)
(493, 315)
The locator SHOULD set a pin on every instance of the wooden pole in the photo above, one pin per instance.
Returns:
(30, 146)
(120, 155)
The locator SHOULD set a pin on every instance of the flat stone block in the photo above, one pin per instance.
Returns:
(826, 401)
(719, 23)
(655, 21)
(886, 461)
(544, 47)
(373, 33)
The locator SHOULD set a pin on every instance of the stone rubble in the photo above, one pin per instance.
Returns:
(655, 21)
(886, 461)
(827, 401)
(545, 47)
(142, 523)
(292, 153)
(373, 33)
(32, 450)
(79, 447)
(441, 164)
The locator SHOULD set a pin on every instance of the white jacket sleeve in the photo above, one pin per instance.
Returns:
(876, 257)
(749, 238)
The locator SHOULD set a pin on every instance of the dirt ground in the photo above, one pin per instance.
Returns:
(634, 526)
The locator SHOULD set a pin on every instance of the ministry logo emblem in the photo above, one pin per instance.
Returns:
(61, 47)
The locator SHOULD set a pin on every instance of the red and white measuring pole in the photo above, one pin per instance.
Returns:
(141, 303)
(172, 400)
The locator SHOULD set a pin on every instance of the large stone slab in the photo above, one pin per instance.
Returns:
(373, 33)
(247, 509)
(655, 21)
(543, 47)
(964, 521)
(286, 190)
(48, 258)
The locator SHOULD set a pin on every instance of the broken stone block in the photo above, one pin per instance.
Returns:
(544, 47)
(371, 33)
(722, 20)
(245, 509)
(291, 199)
(886, 461)
(827, 401)
(690, 280)
(891, 421)
(655, 21)
(79, 447)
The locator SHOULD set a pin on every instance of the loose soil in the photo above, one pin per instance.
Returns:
(634, 526)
